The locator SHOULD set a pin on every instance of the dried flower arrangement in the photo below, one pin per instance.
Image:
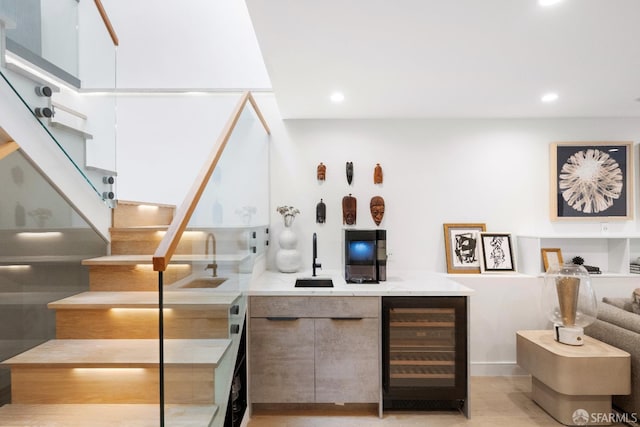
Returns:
(288, 213)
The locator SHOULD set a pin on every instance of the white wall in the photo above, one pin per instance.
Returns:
(186, 44)
(435, 171)
(492, 171)
(163, 141)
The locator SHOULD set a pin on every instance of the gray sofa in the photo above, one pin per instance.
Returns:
(618, 324)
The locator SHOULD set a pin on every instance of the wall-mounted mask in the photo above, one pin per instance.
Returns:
(377, 209)
(321, 212)
(349, 209)
(321, 172)
(377, 174)
(349, 172)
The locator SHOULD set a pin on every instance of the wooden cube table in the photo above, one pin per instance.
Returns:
(567, 378)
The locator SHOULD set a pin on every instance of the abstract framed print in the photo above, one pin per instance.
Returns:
(461, 246)
(496, 253)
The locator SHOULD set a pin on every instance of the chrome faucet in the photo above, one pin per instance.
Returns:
(213, 266)
(314, 263)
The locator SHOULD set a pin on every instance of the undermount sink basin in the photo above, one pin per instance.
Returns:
(314, 282)
(205, 282)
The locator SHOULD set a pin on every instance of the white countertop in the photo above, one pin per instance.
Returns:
(406, 283)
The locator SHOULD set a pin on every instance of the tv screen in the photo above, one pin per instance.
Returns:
(361, 252)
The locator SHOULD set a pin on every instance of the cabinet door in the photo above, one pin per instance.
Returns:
(347, 362)
(282, 352)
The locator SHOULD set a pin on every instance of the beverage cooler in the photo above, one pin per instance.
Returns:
(425, 358)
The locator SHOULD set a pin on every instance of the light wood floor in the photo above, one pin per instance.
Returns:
(495, 402)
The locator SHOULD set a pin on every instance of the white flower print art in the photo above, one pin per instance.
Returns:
(592, 180)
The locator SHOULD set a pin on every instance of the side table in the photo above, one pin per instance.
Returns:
(567, 379)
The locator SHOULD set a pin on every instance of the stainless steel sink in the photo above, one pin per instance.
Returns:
(205, 282)
(314, 282)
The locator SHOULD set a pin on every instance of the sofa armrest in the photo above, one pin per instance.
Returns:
(626, 340)
(619, 317)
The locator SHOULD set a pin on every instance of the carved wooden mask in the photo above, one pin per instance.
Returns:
(349, 208)
(321, 212)
(377, 174)
(349, 172)
(377, 209)
(321, 172)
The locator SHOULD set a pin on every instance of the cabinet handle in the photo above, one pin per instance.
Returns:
(346, 318)
(282, 319)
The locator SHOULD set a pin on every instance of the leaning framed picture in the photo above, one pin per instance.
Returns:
(591, 180)
(461, 246)
(551, 257)
(496, 253)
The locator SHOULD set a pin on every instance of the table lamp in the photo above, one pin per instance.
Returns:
(569, 302)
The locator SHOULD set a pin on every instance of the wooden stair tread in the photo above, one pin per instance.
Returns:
(105, 415)
(140, 228)
(121, 353)
(147, 259)
(30, 298)
(136, 299)
(119, 260)
(44, 259)
(137, 203)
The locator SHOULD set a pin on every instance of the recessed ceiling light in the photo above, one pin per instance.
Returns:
(549, 97)
(337, 97)
(545, 3)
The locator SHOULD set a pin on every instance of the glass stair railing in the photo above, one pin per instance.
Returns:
(57, 55)
(218, 237)
(44, 240)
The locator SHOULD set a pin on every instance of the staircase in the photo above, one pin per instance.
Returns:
(102, 368)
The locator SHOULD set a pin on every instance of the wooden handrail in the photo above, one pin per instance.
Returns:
(167, 247)
(8, 148)
(107, 22)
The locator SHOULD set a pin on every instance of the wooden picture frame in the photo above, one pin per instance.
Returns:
(496, 253)
(551, 257)
(461, 246)
(576, 195)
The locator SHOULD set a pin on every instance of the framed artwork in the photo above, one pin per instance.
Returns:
(551, 257)
(496, 253)
(461, 245)
(591, 180)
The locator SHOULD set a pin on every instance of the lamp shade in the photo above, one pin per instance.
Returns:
(568, 298)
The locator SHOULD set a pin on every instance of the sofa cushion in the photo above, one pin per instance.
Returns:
(623, 303)
(608, 312)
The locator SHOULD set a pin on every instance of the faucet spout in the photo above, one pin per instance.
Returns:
(213, 265)
(314, 262)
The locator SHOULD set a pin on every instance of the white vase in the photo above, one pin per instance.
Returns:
(288, 257)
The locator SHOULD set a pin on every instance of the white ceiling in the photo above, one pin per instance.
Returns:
(451, 58)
